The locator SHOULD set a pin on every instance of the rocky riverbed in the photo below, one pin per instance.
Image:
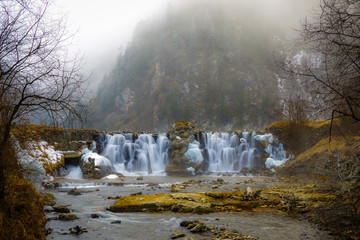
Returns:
(90, 203)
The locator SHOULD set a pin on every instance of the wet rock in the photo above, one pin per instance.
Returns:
(61, 209)
(185, 223)
(153, 185)
(190, 226)
(113, 197)
(94, 215)
(235, 236)
(48, 231)
(140, 178)
(136, 194)
(74, 192)
(116, 222)
(200, 227)
(77, 230)
(220, 180)
(67, 216)
(176, 235)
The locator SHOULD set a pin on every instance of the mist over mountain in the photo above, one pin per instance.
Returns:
(208, 62)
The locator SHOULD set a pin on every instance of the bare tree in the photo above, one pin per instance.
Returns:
(331, 67)
(36, 75)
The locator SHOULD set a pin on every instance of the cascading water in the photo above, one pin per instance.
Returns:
(229, 153)
(141, 156)
(213, 152)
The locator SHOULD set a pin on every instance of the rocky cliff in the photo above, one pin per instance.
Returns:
(206, 64)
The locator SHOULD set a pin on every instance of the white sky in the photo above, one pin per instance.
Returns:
(105, 25)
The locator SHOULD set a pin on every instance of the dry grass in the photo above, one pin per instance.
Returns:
(21, 210)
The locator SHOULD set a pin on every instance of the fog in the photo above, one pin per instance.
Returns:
(104, 27)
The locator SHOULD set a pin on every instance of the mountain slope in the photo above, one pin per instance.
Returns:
(205, 63)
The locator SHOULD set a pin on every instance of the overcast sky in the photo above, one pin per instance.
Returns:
(103, 26)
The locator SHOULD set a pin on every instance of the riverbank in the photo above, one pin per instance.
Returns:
(92, 206)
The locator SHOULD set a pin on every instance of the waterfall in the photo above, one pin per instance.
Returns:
(229, 153)
(144, 156)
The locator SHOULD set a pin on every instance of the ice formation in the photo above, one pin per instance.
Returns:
(194, 152)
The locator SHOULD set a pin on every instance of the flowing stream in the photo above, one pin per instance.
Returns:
(94, 200)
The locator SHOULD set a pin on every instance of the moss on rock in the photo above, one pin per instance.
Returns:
(67, 217)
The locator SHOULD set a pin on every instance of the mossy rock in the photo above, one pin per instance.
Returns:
(67, 217)
(51, 134)
(48, 199)
(61, 209)
(187, 202)
(200, 227)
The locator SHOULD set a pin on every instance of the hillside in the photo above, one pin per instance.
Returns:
(210, 64)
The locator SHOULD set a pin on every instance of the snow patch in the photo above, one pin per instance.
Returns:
(44, 152)
(270, 162)
(111, 176)
(99, 160)
(34, 170)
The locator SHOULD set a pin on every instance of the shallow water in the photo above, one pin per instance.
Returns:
(161, 225)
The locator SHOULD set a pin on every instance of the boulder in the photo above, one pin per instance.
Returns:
(95, 166)
(77, 230)
(61, 209)
(74, 192)
(67, 216)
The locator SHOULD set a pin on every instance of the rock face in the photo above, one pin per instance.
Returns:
(203, 69)
(180, 137)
